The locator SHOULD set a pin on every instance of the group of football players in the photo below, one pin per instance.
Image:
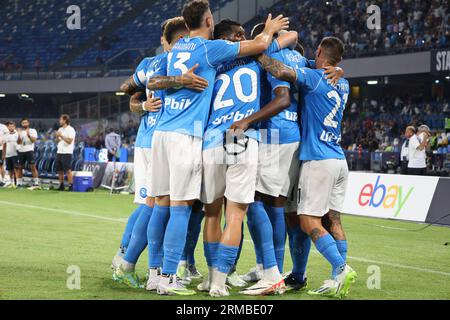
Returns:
(221, 134)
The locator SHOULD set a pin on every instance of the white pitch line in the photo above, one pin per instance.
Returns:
(73, 213)
(123, 220)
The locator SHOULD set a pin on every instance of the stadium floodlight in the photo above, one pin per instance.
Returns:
(2, 95)
(447, 77)
(119, 93)
(436, 81)
(372, 82)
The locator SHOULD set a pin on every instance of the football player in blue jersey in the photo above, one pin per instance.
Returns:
(230, 163)
(324, 172)
(177, 142)
(150, 110)
(278, 176)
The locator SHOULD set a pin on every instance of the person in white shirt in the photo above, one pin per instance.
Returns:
(418, 144)
(27, 138)
(404, 154)
(3, 131)
(10, 152)
(65, 137)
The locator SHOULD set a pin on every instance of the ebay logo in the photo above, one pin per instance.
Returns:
(387, 197)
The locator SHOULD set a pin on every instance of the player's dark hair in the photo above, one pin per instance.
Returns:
(299, 48)
(333, 48)
(193, 13)
(24, 119)
(66, 118)
(224, 27)
(9, 123)
(163, 25)
(173, 27)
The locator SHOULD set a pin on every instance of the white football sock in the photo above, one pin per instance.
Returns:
(218, 278)
(127, 267)
(272, 274)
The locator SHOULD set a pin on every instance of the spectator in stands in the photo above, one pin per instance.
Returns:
(65, 137)
(404, 153)
(418, 144)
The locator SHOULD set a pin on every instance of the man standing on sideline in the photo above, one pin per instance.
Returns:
(404, 154)
(418, 143)
(113, 143)
(26, 140)
(3, 133)
(65, 137)
(9, 155)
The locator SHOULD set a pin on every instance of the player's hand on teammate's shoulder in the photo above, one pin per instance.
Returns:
(277, 24)
(334, 74)
(192, 81)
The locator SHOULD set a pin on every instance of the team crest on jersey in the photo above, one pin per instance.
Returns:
(143, 193)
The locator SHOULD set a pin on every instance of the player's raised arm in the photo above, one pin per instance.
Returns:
(188, 80)
(262, 42)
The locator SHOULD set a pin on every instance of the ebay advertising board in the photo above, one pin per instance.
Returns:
(389, 196)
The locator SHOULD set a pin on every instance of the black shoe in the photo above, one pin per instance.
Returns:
(61, 187)
(293, 284)
(70, 189)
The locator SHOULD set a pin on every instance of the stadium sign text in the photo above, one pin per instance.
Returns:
(379, 194)
(389, 196)
(440, 61)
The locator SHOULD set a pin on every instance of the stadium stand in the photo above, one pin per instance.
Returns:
(407, 26)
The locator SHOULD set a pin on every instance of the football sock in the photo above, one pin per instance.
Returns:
(263, 232)
(276, 216)
(327, 247)
(299, 247)
(210, 250)
(138, 240)
(256, 212)
(195, 225)
(175, 237)
(342, 248)
(226, 256)
(129, 227)
(155, 235)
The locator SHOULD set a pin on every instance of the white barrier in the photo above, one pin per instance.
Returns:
(390, 196)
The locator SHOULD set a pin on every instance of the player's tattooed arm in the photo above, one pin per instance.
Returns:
(136, 102)
(130, 87)
(262, 42)
(281, 101)
(187, 80)
(277, 68)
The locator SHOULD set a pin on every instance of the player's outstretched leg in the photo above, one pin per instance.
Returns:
(212, 234)
(126, 237)
(187, 269)
(233, 278)
(277, 218)
(326, 245)
(155, 237)
(255, 274)
(272, 282)
(174, 242)
(125, 273)
(299, 247)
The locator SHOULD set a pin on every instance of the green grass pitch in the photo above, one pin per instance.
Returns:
(42, 233)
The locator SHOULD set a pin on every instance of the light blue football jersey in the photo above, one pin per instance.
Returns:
(322, 109)
(148, 68)
(236, 95)
(283, 128)
(186, 111)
